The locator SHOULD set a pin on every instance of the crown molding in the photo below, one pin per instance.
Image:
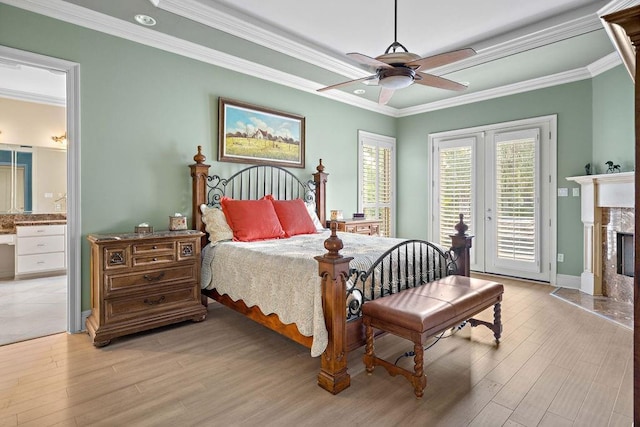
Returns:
(233, 22)
(87, 18)
(32, 97)
(550, 35)
(604, 64)
(512, 89)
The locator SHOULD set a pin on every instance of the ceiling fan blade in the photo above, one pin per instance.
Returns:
(439, 82)
(337, 85)
(385, 95)
(442, 59)
(368, 61)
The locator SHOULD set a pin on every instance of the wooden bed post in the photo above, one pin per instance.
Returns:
(199, 173)
(461, 245)
(320, 179)
(333, 268)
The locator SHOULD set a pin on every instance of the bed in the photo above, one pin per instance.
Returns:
(316, 298)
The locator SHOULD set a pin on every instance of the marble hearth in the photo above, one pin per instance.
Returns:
(607, 208)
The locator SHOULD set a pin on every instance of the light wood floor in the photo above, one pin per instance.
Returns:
(557, 365)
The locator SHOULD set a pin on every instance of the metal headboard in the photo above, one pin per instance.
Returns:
(255, 182)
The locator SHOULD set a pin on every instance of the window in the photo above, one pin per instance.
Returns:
(376, 186)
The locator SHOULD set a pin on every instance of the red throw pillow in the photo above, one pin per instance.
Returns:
(293, 216)
(252, 219)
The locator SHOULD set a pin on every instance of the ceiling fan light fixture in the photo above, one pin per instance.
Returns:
(396, 82)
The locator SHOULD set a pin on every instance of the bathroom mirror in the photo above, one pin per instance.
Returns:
(32, 179)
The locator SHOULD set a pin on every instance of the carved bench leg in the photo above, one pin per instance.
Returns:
(369, 355)
(497, 322)
(419, 381)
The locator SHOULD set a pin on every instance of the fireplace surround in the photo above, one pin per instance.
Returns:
(607, 208)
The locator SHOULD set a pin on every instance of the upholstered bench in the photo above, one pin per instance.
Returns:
(419, 313)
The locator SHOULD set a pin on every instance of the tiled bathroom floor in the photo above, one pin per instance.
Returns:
(31, 308)
(618, 312)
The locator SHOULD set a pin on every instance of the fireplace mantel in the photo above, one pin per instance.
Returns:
(599, 191)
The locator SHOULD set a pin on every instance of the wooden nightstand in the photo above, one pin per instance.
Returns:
(142, 281)
(369, 227)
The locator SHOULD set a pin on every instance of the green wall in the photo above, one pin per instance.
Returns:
(144, 111)
(613, 133)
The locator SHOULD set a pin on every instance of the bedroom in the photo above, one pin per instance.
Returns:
(179, 99)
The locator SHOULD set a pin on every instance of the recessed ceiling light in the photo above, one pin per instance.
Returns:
(359, 91)
(145, 20)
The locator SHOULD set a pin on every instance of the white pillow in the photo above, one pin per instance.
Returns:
(311, 208)
(216, 224)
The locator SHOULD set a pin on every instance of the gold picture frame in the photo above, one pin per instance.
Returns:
(252, 134)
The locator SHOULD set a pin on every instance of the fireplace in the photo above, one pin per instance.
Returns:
(624, 246)
(617, 253)
(607, 209)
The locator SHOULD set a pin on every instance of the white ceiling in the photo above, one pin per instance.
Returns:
(521, 45)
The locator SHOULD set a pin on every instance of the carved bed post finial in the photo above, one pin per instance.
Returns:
(460, 246)
(333, 269)
(333, 244)
(199, 173)
(199, 158)
(461, 227)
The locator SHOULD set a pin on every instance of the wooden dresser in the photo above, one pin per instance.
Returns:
(369, 227)
(142, 281)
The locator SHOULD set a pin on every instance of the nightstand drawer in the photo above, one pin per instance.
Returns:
(115, 283)
(150, 248)
(153, 259)
(117, 310)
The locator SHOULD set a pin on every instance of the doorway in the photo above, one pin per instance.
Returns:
(501, 178)
(72, 281)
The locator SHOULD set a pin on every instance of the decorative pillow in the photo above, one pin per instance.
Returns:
(216, 224)
(311, 208)
(252, 219)
(293, 216)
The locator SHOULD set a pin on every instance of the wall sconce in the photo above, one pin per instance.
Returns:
(62, 139)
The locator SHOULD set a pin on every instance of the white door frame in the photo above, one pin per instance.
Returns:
(74, 277)
(549, 179)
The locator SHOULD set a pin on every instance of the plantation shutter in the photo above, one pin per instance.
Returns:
(455, 172)
(376, 181)
(516, 192)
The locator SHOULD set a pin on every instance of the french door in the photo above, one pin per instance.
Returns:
(500, 178)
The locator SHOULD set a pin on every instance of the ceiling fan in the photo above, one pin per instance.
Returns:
(397, 70)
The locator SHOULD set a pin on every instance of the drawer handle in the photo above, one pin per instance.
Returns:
(154, 259)
(154, 302)
(154, 247)
(41, 245)
(151, 278)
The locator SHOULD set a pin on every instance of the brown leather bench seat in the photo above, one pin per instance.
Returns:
(419, 313)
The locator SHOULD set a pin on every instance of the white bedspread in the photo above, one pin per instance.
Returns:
(281, 276)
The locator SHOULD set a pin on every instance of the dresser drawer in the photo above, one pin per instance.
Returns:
(40, 262)
(153, 304)
(153, 248)
(40, 230)
(121, 283)
(40, 245)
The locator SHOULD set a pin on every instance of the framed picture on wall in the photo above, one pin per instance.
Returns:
(253, 134)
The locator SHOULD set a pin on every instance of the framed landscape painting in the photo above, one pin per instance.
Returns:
(252, 134)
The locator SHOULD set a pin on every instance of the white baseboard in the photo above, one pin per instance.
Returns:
(84, 315)
(566, 281)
